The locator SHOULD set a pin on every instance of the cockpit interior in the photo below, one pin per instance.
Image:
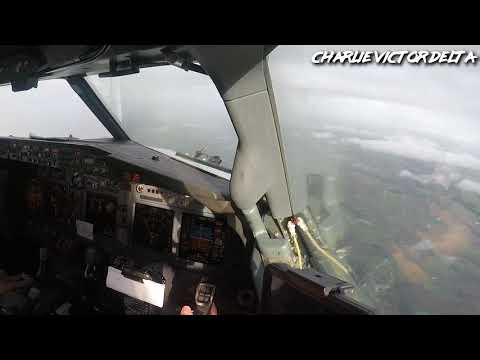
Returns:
(88, 210)
(110, 226)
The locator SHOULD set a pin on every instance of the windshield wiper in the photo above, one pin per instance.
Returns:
(187, 160)
(203, 158)
(53, 138)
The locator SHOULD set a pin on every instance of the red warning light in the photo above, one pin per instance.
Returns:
(135, 178)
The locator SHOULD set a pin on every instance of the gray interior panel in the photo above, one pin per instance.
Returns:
(239, 74)
(258, 162)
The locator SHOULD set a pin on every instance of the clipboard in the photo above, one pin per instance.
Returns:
(137, 284)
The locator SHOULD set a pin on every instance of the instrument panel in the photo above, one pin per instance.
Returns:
(82, 168)
(194, 233)
(80, 183)
(156, 196)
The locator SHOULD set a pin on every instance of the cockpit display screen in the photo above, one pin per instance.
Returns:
(202, 239)
(202, 230)
(153, 227)
(101, 212)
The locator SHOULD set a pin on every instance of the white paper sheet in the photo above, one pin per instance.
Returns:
(85, 229)
(148, 291)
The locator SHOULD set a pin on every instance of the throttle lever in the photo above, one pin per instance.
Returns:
(204, 296)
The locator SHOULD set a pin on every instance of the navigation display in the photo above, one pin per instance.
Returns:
(152, 227)
(202, 239)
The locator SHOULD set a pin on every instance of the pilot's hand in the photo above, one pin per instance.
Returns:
(187, 310)
(213, 310)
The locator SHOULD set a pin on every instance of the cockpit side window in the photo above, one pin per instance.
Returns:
(384, 169)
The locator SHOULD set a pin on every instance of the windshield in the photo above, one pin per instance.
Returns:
(167, 108)
(384, 165)
(52, 109)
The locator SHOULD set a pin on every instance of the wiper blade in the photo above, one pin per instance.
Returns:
(225, 174)
(69, 138)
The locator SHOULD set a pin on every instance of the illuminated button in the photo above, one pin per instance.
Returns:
(135, 178)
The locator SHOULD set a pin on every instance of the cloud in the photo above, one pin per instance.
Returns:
(322, 135)
(469, 185)
(418, 149)
(442, 175)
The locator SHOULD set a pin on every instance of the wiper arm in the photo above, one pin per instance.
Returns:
(215, 165)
